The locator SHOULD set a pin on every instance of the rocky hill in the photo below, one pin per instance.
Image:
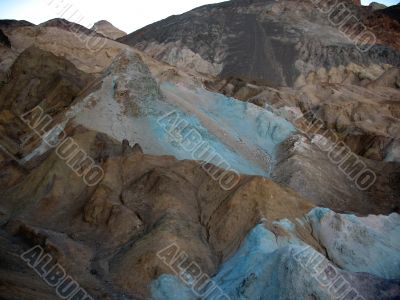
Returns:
(377, 6)
(108, 30)
(242, 150)
(240, 38)
(393, 12)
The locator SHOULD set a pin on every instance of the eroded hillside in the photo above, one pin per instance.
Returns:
(242, 150)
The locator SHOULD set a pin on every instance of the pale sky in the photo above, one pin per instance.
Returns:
(128, 15)
(386, 2)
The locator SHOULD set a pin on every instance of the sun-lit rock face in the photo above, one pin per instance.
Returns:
(108, 30)
(87, 50)
(377, 6)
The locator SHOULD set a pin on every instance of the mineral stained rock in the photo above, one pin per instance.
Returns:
(276, 264)
(244, 150)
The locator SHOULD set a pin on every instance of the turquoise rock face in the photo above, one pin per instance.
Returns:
(244, 134)
(170, 287)
(366, 244)
(268, 266)
(182, 120)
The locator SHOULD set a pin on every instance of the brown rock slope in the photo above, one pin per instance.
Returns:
(142, 205)
(108, 30)
(37, 78)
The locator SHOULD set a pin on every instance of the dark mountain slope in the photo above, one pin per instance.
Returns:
(393, 12)
(266, 42)
(4, 40)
